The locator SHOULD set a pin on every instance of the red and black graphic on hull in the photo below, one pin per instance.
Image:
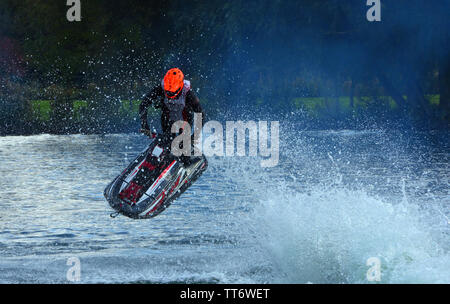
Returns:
(131, 193)
(134, 191)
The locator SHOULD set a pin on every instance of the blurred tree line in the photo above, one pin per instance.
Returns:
(322, 58)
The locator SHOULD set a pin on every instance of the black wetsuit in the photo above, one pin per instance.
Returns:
(156, 97)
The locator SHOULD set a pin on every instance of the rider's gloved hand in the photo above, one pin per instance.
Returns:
(145, 128)
(145, 131)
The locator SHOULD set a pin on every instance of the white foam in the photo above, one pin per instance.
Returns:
(328, 236)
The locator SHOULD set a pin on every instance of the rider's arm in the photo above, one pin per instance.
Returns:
(194, 104)
(149, 99)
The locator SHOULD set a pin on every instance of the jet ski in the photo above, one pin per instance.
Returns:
(153, 180)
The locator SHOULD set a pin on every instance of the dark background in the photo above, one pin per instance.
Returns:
(320, 62)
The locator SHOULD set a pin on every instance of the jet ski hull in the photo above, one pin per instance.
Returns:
(152, 181)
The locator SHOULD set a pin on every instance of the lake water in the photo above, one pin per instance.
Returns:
(337, 199)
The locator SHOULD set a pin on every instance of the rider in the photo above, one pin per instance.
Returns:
(176, 100)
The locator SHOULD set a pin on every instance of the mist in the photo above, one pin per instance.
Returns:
(321, 63)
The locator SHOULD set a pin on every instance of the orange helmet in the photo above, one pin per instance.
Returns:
(173, 83)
